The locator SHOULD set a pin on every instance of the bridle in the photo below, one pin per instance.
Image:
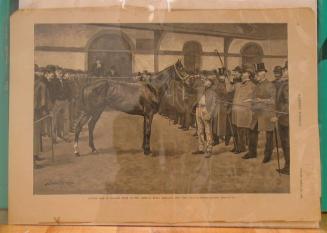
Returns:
(182, 76)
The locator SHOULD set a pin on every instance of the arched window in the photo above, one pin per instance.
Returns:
(113, 50)
(192, 51)
(251, 53)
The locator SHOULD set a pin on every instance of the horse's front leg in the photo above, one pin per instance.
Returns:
(147, 133)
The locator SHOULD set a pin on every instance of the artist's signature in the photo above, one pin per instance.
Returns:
(58, 183)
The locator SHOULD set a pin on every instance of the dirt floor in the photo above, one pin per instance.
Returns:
(120, 167)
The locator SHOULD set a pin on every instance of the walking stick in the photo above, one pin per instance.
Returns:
(228, 116)
(276, 138)
(52, 142)
(232, 131)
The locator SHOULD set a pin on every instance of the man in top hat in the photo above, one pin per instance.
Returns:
(242, 115)
(220, 119)
(282, 104)
(205, 112)
(263, 106)
(234, 78)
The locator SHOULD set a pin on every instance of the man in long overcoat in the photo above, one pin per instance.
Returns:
(242, 114)
(263, 106)
(41, 98)
(282, 105)
(219, 123)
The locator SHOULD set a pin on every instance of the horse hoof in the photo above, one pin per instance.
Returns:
(94, 151)
(77, 154)
(148, 152)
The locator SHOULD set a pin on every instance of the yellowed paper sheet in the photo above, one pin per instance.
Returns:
(119, 184)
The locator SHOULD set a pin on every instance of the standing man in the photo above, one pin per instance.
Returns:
(205, 110)
(219, 124)
(263, 106)
(97, 68)
(40, 110)
(61, 98)
(282, 103)
(50, 76)
(241, 111)
(278, 73)
(237, 74)
(236, 78)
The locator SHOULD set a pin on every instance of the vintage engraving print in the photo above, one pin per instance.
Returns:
(98, 84)
(188, 115)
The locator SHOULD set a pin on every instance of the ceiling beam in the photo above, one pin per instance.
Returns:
(177, 29)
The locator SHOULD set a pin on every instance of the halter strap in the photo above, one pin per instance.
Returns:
(180, 75)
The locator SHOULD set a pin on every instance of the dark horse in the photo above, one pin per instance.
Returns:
(141, 99)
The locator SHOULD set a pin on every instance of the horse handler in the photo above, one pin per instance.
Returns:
(205, 112)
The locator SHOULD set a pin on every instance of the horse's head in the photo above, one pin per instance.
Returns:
(179, 64)
(192, 81)
(180, 72)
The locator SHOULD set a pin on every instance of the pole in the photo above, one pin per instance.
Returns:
(221, 61)
(276, 138)
(232, 131)
(228, 116)
(51, 135)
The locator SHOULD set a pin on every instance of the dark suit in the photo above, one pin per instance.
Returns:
(60, 94)
(97, 70)
(282, 104)
(40, 108)
(60, 90)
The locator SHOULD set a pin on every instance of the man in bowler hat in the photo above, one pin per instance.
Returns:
(282, 103)
(278, 73)
(242, 115)
(61, 95)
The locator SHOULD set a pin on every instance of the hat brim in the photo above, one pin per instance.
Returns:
(257, 71)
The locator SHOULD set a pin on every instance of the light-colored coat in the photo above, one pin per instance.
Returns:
(265, 107)
(242, 115)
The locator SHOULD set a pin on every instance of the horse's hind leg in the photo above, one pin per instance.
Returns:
(94, 119)
(78, 128)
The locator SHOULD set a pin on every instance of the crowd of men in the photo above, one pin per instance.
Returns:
(235, 105)
(241, 104)
(56, 96)
(55, 104)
